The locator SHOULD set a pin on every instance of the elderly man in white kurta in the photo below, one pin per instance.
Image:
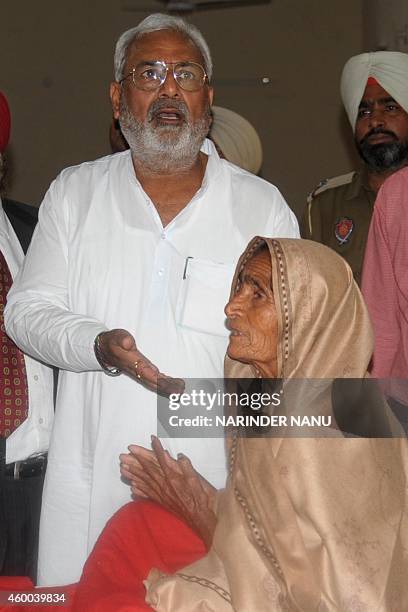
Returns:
(108, 261)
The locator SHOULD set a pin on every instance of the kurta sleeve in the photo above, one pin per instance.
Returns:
(282, 221)
(38, 316)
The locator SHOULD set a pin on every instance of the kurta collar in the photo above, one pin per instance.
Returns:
(212, 169)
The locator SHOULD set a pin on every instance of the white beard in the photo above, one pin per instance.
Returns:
(164, 148)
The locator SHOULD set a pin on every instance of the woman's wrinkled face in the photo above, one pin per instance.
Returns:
(252, 318)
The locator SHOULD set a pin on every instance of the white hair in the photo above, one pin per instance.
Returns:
(154, 23)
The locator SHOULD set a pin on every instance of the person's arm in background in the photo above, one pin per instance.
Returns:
(379, 288)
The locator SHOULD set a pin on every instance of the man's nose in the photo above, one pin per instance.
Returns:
(169, 87)
(377, 118)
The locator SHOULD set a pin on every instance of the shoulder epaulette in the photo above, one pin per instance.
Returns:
(330, 183)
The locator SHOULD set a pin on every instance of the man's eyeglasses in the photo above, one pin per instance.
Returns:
(149, 76)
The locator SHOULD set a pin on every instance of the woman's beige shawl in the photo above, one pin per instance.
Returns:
(305, 524)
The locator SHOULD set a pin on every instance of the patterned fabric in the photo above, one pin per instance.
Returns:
(13, 379)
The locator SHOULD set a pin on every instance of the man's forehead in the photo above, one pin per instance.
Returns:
(373, 92)
(163, 44)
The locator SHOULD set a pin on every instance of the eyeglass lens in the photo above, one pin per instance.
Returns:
(151, 75)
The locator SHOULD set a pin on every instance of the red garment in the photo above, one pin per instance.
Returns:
(140, 536)
(13, 378)
(385, 280)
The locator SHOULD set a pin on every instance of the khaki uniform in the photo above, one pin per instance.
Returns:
(338, 214)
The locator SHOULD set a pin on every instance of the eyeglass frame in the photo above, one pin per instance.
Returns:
(166, 66)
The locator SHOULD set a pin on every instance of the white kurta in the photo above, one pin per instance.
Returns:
(101, 259)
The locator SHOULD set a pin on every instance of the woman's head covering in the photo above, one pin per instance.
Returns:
(388, 68)
(5, 121)
(324, 330)
(237, 139)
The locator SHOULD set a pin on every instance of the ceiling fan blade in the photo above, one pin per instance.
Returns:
(187, 6)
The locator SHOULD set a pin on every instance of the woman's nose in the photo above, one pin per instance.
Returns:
(232, 307)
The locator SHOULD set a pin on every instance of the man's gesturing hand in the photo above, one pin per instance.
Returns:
(117, 348)
(174, 484)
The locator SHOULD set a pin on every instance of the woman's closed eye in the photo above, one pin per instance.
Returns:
(258, 294)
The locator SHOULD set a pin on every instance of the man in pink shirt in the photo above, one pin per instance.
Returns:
(385, 285)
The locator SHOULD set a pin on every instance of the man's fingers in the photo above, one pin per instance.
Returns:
(127, 343)
(114, 344)
(148, 374)
(144, 370)
(118, 349)
(166, 385)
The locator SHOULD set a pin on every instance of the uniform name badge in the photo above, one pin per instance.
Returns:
(343, 229)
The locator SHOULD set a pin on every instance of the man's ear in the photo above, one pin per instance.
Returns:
(210, 95)
(114, 92)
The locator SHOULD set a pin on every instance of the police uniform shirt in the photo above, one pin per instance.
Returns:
(338, 214)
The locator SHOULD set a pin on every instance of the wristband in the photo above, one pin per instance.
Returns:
(109, 370)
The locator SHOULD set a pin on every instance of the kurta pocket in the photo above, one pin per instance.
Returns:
(204, 292)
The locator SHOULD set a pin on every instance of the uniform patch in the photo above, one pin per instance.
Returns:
(343, 229)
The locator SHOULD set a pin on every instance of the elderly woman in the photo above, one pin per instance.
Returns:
(305, 524)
